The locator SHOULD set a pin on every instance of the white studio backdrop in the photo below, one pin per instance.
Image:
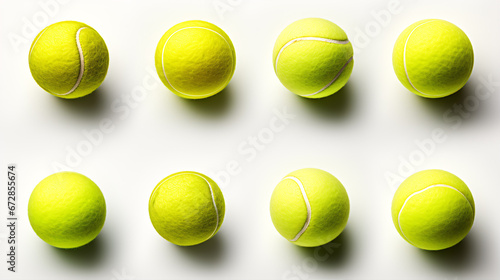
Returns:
(370, 135)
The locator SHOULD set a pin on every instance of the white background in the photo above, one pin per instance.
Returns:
(362, 134)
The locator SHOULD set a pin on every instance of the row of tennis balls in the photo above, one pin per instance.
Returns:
(312, 57)
(432, 209)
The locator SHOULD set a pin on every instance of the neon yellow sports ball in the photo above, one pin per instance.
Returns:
(433, 210)
(69, 59)
(187, 208)
(309, 207)
(313, 58)
(433, 58)
(67, 210)
(195, 59)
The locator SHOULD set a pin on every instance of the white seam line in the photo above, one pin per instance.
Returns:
(404, 57)
(332, 81)
(308, 206)
(215, 205)
(32, 48)
(163, 54)
(82, 63)
(341, 42)
(211, 193)
(415, 193)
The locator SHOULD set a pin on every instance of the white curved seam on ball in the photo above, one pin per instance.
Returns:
(34, 44)
(333, 80)
(331, 41)
(82, 63)
(211, 193)
(163, 53)
(421, 191)
(404, 57)
(214, 203)
(308, 206)
(340, 42)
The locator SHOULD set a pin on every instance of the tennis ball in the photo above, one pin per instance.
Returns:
(67, 210)
(433, 210)
(195, 59)
(187, 208)
(69, 59)
(309, 207)
(433, 58)
(312, 58)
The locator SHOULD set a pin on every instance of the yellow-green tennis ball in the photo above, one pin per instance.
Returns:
(312, 58)
(69, 59)
(187, 208)
(195, 59)
(433, 210)
(433, 58)
(67, 210)
(309, 207)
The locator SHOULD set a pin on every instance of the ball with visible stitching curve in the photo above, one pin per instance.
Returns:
(309, 207)
(313, 58)
(67, 210)
(69, 59)
(433, 210)
(187, 208)
(195, 59)
(433, 58)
